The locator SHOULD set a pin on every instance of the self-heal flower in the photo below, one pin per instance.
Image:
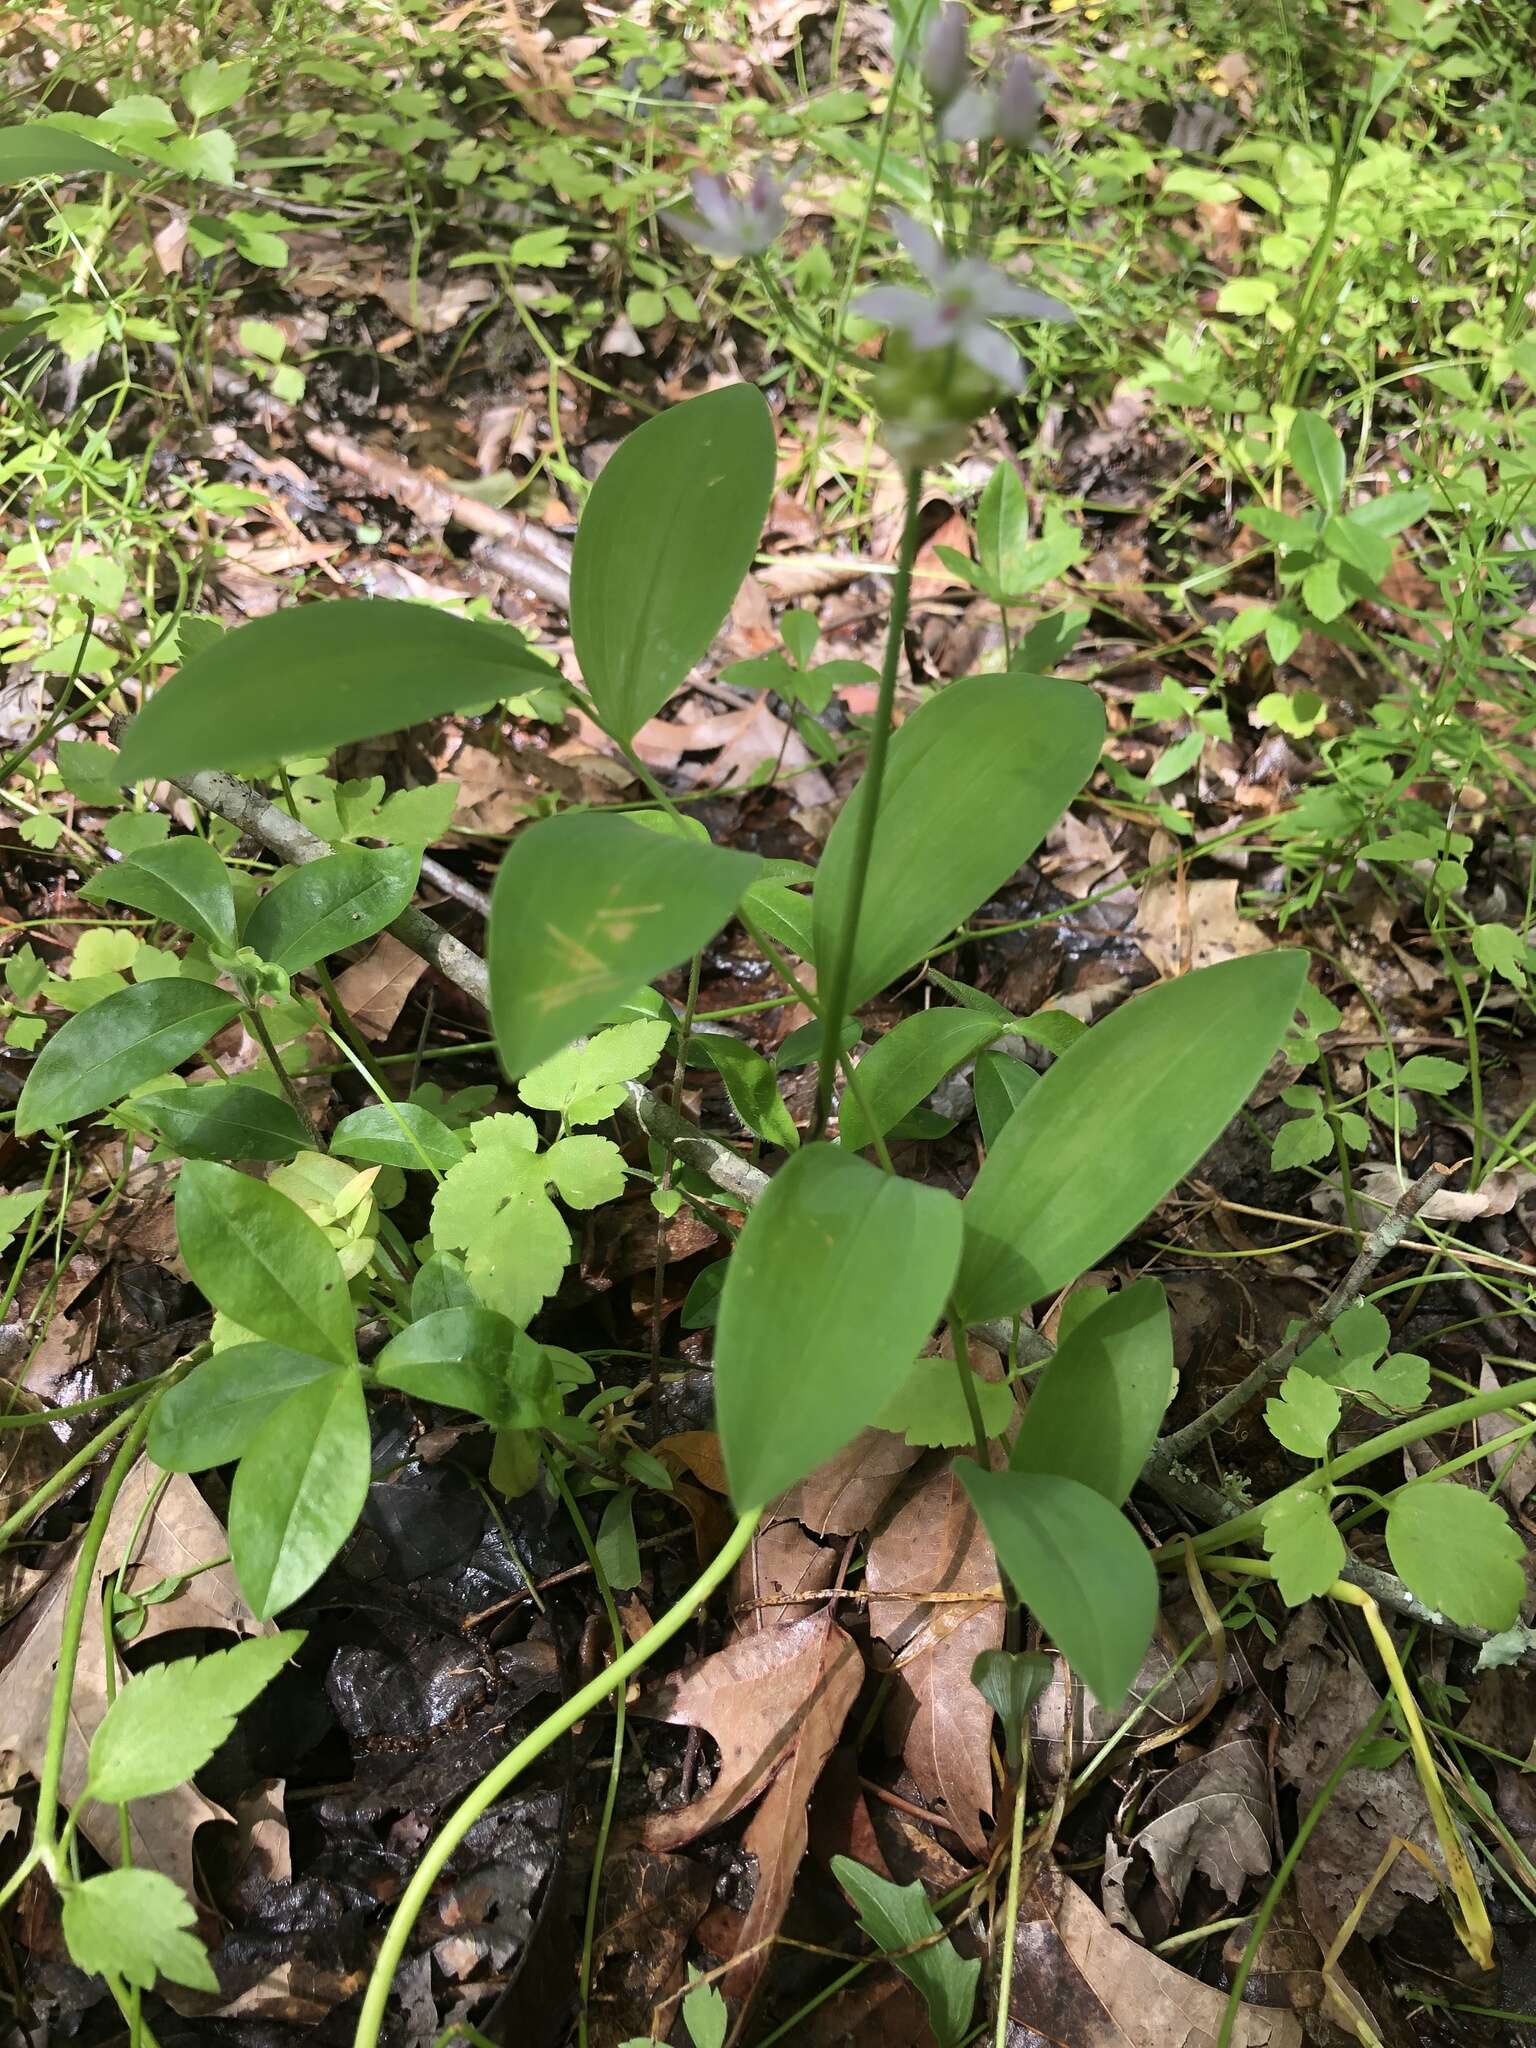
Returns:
(728, 226)
(965, 297)
(946, 64)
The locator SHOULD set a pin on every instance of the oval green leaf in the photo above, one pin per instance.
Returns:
(474, 1359)
(1458, 1551)
(212, 1416)
(314, 678)
(972, 783)
(664, 542)
(117, 1045)
(36, 149)
(906, 1064)
(327, 904)
(1094, 1412)
(1118, 1120)
(299, 1490)
(260, 1259)
(225, 1120)
(1078, 1565)
(588, 906)
(1001, 1085)
(836, 1281)
(751, 1083)
(1317, 456)
(397, 1134)
(184, 882)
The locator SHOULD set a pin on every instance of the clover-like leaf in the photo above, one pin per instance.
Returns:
(1304, 1414)
(1307, 1550)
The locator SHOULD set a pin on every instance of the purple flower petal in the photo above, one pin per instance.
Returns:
(993, 354)
(893, 305)
(715, 200)
(922, 246)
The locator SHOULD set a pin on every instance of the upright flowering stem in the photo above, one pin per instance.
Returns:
(834, 991)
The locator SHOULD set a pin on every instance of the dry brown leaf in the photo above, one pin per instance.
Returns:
(757, 1697)
(780, 1829)
(783, 1566)
(28, 1458)
(180, 1535)
(373, 990)
(936, 1719)
(651, 1904)
(1209, 1814)
(1183, 925)
(1495, 1196)
(1367, 1809)
(434, 308)
(842, 1497)
(1077, 1983)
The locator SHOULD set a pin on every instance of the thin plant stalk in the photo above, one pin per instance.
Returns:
(528, 1751)
(833, 998)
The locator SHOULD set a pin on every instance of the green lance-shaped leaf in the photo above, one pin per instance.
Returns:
(117, 1045)
(588, 906)
(667, 535)
(972, 783)
(260, 1259)
(299, 1490)
(1117, 1121)
(1093, 1413)
(318, 676)
(1317, 456)
(906, 1064)
(185, 882)
(399, 1134)
(225, 1120)
(1077, 1564)
(36, 149)
(897, 1918)
(337, 901)
(838, 1278)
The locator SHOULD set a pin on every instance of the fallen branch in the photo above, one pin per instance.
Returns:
(1382, 1242)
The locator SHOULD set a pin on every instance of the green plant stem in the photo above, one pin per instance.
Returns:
(285, 1080)
(67, 1473)
(833, 999)
(529, 1750)
(1248, 1524)
(1011, 1906)
(81, 1587)
(1288, 1863)
(960, 1345)
(611, 1791)
(33, 1232)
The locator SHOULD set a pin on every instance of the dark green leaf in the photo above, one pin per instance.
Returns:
(1010, 1681)
(168, 1721)
(1001, 1085)
(751, 1083)
(1078, 1565)
(260, 1259)
(701, 1310)
(130, 1037)
(667, 535)
(837, 1279)
(402, 1134)
(38, 150)
(318, 909)
(137, 1925)
(897, 1918)
(972, 783)
(1093, 1413)
(588, 906)
(313, 677)
(474, 1359)
(1317, 456)
(225, 1120)
(803, 1045)
(905, 1065)
(617, 1549)
(298, 1490)
(211, 1416)
(1116, 1122)
(184, 882)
